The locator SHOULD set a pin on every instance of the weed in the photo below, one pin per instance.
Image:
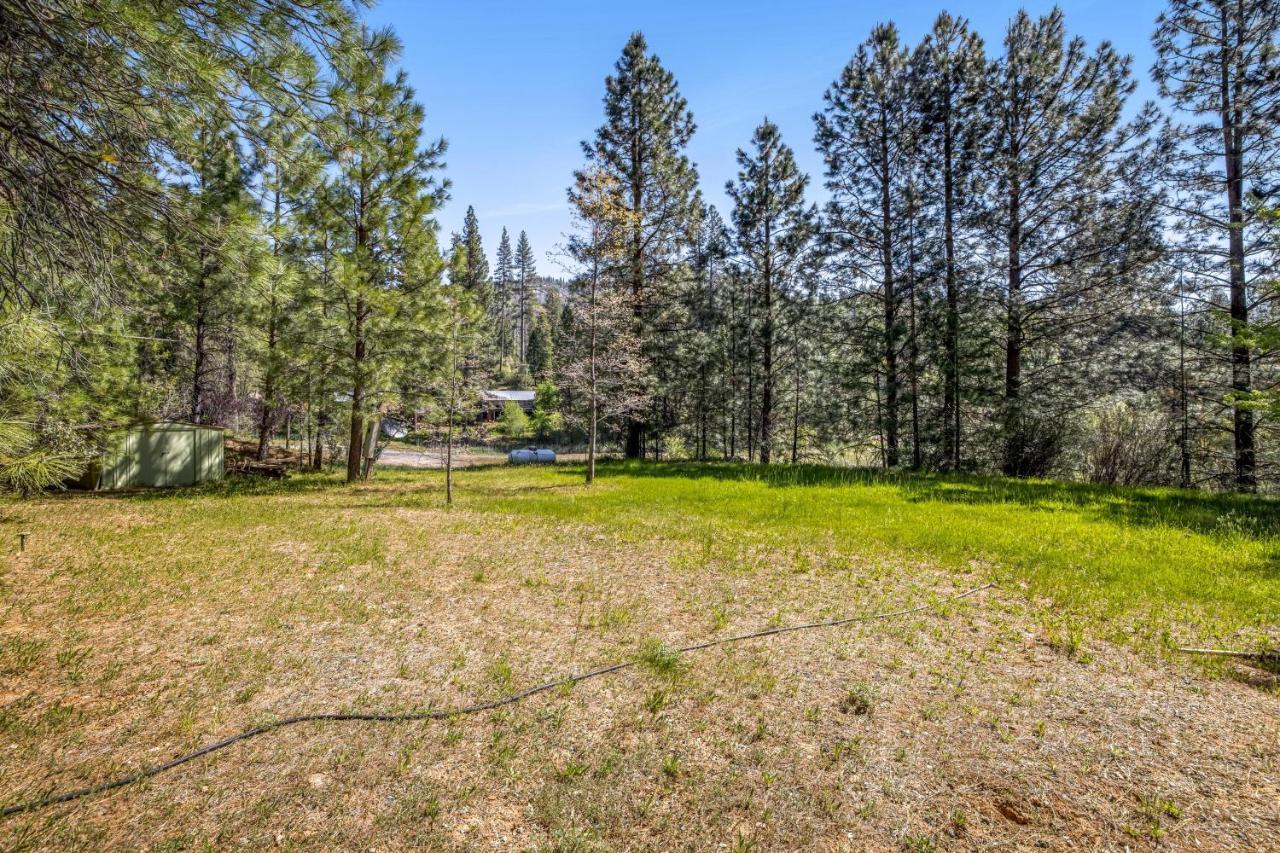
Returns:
(655, 701)
(571, 770)
(859, 699)
(19, 655)
(501, 676)
(918, 844)
(661, 658)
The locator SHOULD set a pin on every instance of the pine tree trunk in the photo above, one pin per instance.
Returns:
(731, 405)
(591, 366)
(766, 347)
(355, 449)
(268, 385)
(795, 410)
(951, 345)
(913, 362)
(1241, 384)
(448, 448)
(890, 310)
(1014, 429)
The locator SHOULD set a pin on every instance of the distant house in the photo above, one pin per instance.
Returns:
(159, 454)
(492, 402)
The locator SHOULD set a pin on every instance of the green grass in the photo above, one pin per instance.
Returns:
(1141, 560)
(141, 625)
(1153, 556)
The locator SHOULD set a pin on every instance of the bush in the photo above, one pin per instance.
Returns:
(547, 419)
(514, 423)
(1034, 443)
(1128, 446)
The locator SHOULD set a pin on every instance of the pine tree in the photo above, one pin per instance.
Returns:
(866, 135)
(640, 147)
(711, 256)
(1217, 64)
(949, 82)
(526, 272)
(290, 173)
(379, 201)
(773, 231)
(208, 301)
(100, 99)
(1053, 163)
(504, 285)
(477, 265)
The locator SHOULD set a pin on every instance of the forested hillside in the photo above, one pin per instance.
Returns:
(226, 213)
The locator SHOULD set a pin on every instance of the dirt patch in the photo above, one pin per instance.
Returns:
(962, 727)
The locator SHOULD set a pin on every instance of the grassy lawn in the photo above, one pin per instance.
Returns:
(136, 627)
(1208, 565)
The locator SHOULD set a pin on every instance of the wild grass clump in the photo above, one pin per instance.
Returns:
(859, 699)
(660, 658)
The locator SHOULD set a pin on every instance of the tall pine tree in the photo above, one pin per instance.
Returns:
(526, 272)
(378, 202)
(774, 228)
(1218, 66)
(949, 82)
(866, 135)
(640, 148)
(1050, 214)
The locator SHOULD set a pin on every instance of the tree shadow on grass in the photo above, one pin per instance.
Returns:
(1215, 514)
(409, 486)
(229, 487)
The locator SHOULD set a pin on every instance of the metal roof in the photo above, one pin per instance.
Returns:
(509, 394)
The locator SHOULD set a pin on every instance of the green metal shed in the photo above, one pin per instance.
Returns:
(161, 454)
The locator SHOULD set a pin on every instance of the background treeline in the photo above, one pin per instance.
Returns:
(1017, 268)
(225, 213)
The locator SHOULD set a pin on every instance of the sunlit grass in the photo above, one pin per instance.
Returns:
(1150, 555)
(1150, 558)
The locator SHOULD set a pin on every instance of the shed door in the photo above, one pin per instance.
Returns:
(167, 457)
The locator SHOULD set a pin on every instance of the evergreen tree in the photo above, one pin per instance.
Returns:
(504, 278)
(1055, 208)
(866, 135)
(477, 265)
(773, 231)
(526, 272)
(209, 299)
(379, 199)
(640, 147)
(1217, 65)
(949, 82)
(100, 98)
(290, 172)
(711, 257)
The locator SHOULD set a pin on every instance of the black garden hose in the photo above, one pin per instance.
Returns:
(509, 699)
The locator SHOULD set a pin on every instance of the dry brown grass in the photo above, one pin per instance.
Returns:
(135, 629)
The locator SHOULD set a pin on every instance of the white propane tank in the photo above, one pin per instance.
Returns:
(526, 455)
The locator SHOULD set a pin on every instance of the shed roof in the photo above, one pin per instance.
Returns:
(113, 425)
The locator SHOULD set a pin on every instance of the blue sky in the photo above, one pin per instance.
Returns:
(516, 86)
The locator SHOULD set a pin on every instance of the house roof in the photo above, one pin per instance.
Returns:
(513, 394)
